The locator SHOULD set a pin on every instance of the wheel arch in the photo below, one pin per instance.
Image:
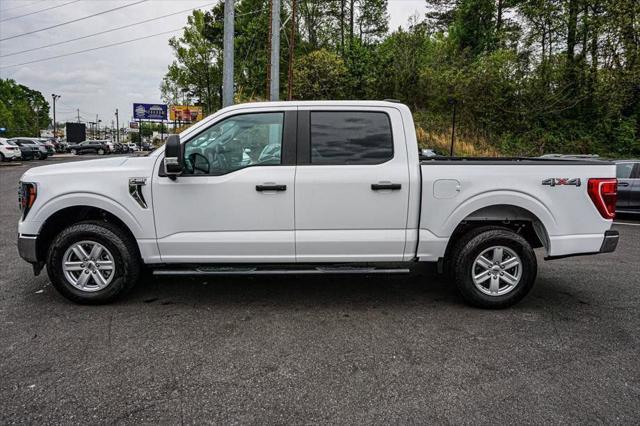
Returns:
(68, 215)
(515, 218)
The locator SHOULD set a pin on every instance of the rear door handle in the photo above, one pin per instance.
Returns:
(381, 186)
(271, 187)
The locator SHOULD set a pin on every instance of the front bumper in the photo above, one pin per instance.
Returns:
(27, 248)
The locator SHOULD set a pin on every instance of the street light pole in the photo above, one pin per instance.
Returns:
(117, 127)
(55, 97)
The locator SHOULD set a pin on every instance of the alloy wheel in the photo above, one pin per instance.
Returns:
(497, 271)
(88, 266)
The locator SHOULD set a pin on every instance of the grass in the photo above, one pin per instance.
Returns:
(463, 147)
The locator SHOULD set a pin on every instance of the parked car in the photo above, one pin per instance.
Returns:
(90, 147)
(60, 145)
(9, 151)
(39, 151)
(49, 145)
(346, 194)
(133, 147)
(628, 174)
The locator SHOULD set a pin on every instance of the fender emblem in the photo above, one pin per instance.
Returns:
(562, 181)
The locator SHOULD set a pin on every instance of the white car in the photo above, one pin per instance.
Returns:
(133, 147)
(9, 151)
(346, 193)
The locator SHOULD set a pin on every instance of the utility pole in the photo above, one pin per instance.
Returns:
(78, 111)
(117, 127)
(268, 70)
(227, 55)
(275, 51)
(55, 97)
(97, 130)
(454, 102)
(292, 45)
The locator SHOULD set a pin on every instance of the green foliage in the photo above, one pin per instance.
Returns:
(23, 111)
(320, 75)
(527, 76)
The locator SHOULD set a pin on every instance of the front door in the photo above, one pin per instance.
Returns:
(234, 201)
(352, 185)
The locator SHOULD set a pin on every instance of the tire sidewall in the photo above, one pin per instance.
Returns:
(482, 242)
(102, 235)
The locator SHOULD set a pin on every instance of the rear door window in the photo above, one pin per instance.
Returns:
(350, 138)
(624, 170)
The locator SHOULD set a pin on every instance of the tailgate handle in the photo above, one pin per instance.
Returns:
(381, 186)
(271, 187)
(623, 183)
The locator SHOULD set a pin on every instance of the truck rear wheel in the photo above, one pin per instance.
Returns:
(93, 263)
(494, 268)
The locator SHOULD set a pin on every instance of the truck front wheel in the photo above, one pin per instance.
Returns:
(93, 262)
(494, 269)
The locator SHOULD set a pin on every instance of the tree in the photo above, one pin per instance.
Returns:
(320, 75)
(23, 111)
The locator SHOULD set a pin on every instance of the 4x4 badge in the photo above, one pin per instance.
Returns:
(561, 181)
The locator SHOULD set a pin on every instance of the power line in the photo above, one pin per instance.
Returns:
(38, 11)
(104, 32)
(73, 20)
(92, 49)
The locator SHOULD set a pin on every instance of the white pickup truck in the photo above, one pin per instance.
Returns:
(310, 187)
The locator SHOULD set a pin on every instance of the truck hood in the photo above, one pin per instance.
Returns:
(78, 167)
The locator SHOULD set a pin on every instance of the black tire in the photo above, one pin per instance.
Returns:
(475, 243)
(37, 156)
(120, 245)
(2, 159)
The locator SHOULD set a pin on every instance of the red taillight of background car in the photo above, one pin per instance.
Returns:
(604, 194)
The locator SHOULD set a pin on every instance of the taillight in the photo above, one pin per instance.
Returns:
(604, 194)
(27, 194)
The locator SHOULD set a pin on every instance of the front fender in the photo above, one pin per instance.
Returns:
(37, 217)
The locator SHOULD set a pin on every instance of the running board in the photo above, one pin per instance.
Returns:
(257, 271)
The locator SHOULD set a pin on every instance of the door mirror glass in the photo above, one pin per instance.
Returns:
(173, 156)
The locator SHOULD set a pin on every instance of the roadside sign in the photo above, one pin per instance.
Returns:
(189, 113)
(150, 111)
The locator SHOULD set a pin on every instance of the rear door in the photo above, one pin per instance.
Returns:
(624, 173)
(634, 194)
(351, 190)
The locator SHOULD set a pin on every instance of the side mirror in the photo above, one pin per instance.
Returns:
(173, 156)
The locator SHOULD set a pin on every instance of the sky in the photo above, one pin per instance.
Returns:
(100, 81)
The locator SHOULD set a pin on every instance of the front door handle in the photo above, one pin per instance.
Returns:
(271, 187)
(381, 186)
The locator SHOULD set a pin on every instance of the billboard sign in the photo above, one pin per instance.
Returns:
(150, 111)
(189, 113)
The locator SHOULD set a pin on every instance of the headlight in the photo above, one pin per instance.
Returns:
(27, 194)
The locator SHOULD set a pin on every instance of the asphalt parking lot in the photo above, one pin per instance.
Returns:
(300, 349)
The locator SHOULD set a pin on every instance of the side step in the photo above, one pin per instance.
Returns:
(203, 270)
